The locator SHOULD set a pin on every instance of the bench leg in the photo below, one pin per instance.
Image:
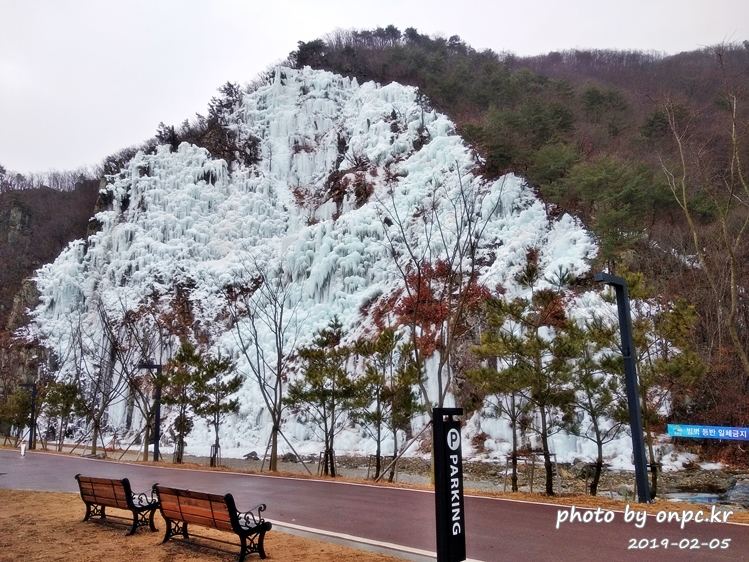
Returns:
(255, 545)
(168, 534)
(243, 549)
(174, 528)
(260, 548)
(94, 510)
(140, 519)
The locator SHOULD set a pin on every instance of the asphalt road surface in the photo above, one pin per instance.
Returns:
(497, 530)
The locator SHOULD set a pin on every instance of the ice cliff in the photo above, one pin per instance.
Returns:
(334, 156)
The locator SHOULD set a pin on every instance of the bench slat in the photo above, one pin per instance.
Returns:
(95, 480)
(207, 509)
(188, 510)
(107, 493)
(120, 504)
(169, 503)
(202, 511)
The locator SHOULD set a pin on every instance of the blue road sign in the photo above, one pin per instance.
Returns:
(708, 432)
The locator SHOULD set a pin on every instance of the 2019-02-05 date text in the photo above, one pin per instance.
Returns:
(683, 544)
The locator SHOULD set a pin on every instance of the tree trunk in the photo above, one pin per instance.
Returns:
(63, 431)
(273, 465)
(331, 459)
(651, 453)
(391, 476)
(599, 461)
(94, 441)
(146, 439)
(598, 470)
(129, 409)
(378, 452)
(215, 452)
(654, 480)
(328, 462)
(547, 456)
(514, 478)
(180, 442)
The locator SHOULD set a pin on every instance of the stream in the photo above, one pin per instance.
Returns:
(738, 495)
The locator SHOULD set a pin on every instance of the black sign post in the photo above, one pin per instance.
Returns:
(448, 485)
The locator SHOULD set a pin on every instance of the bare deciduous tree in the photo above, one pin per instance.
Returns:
(266, 301)
(709, 171)
(435, 249)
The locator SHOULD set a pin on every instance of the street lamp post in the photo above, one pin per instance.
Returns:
(32, 420)
(630, 378)
(156, 408)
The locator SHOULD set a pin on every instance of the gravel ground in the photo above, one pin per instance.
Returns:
(490, 476)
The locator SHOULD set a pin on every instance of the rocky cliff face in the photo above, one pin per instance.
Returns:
(27, 298)
(35, 226)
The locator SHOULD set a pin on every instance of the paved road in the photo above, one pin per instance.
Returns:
(497, 529)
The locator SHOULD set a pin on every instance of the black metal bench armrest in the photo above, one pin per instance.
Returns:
(144, 499)
(248, 519)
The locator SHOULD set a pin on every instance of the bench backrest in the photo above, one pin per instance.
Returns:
(200, 508)
(106, 491)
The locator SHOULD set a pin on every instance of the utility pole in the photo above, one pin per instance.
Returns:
(32, 420)
(630, 378)
(156, 407)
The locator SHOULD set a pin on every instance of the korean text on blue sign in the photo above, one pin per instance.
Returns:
(708, 432)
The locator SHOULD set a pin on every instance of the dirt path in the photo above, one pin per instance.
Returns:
(48, 526)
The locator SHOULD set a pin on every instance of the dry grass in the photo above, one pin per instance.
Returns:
(48, 526)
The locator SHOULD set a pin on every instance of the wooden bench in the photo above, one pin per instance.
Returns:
(100, 493)
(182, 507)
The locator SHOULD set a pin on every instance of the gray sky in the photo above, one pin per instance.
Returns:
(81, 79)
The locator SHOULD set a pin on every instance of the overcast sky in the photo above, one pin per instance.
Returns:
(82, 79)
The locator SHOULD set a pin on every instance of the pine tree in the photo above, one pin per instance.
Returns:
(531, 340)
(326, 392)
(388, 400)
(213, 387)
(17, 411)
(600, 399)
(63, 400)
(501, 384)
(179, 390)
(667, 366)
